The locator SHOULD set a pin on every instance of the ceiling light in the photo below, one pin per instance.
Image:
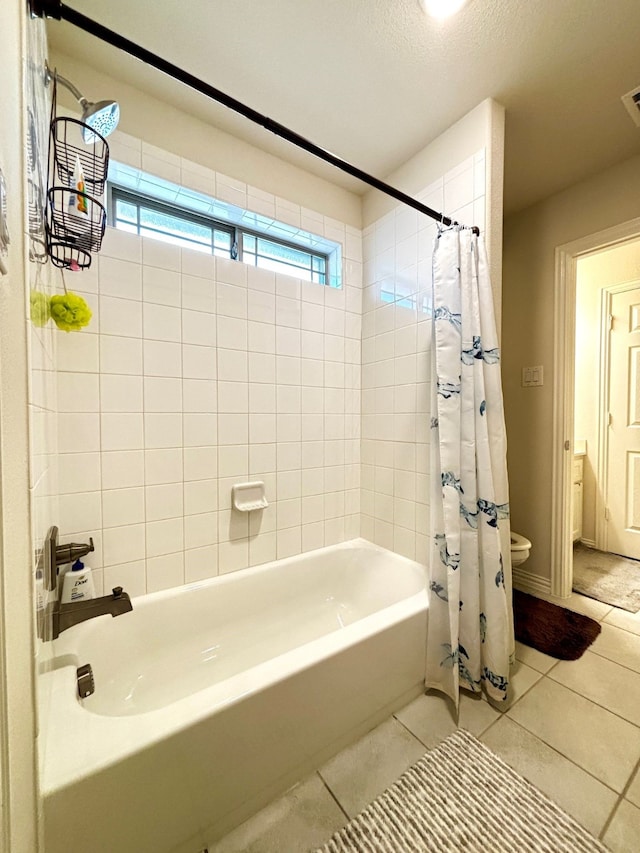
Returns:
(442, 8)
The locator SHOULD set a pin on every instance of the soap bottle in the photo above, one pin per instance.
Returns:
(77, 584)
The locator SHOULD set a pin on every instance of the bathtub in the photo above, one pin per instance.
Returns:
(213, 698)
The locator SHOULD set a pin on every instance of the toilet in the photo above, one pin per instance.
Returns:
(520, 547)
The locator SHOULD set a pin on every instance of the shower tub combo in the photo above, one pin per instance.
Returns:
(213, 698)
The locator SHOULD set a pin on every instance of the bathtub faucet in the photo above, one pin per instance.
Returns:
(65, 616)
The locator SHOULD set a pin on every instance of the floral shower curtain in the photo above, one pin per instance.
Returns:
(470, 630)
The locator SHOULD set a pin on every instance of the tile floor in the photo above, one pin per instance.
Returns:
(571, 728)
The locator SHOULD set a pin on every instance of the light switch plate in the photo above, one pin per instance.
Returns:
(532, 376)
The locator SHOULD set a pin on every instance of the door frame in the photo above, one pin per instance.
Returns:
(564, 337)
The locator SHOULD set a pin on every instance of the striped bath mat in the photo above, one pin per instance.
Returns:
(460, 796)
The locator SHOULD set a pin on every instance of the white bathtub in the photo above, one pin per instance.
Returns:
(214, 697)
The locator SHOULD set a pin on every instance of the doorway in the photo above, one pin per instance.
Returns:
(606, 449)
(584, 483)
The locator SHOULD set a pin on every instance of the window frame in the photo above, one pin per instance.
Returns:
(117, 193)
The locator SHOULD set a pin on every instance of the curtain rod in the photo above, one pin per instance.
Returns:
(59, 11)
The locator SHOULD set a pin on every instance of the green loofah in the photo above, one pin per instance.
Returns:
(70, 312)
(40, 309)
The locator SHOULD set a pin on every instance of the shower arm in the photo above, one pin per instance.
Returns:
(77, 94)
(59, 11)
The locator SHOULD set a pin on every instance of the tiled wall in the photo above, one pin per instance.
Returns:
(396, 367)
(197, 373)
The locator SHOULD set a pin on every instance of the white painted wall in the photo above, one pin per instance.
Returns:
(531, 237)
(18, 823)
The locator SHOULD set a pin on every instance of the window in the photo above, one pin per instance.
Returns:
(150, 217)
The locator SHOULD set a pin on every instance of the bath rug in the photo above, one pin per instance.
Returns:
(607, 577)
(461, 796)
(553, 630)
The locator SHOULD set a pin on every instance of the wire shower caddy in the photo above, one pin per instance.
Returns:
(75, 220)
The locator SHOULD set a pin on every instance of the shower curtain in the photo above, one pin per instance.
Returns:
(470, 629)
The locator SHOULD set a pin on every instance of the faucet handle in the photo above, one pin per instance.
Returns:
(117, 591)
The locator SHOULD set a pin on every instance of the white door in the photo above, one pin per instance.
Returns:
(623, 469)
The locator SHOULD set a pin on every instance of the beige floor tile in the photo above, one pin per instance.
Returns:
(572, 788)
(522, 678)
(580, 604)
(362, 771)
(432, 717)
(604, 682)
(623, 834)
(619, 646)
(300, 821)
(533, 658)
(633, 791)
(594, 738)
(623, 619)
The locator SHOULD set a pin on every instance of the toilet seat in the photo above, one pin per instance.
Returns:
(519, 543)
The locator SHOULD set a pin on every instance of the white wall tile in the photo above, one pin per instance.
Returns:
(162, 394)
(164, 537)
(161, 287)
(120, 355)
(231, 333)
(162, 358)
(200, 563)
(122, 506)
(158, 254)
(120, 278)
(130, 575)
(163, 430)
(77, 392)
(80, 511)
(200, 496)
(77, 352)
(120, 393)
(78, 433)
(122, 469)
(162, 466)
(199, 328)
(78, 471)
(122, 431)
(165, 571)
(123, 544)
(199, 395)
(200, 362)
(200, 430)
(121, 317)
(198, 294)
(200, 530)
(161, 322)
(163, 501)
(200, 463)
(233, 429)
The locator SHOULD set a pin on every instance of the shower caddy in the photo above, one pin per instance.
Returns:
(71, 237)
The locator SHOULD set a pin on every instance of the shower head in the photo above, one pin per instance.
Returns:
(101, 117)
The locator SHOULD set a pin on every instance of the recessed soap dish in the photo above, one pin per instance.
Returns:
(249, 496)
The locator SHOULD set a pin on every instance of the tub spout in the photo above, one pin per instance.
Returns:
(65, 616)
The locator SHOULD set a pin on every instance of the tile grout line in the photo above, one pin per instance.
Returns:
(558, 752)
(333, 796)
(593, 701)
(621, 797)
(406, 728)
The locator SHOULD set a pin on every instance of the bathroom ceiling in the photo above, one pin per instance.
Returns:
(374, 81)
